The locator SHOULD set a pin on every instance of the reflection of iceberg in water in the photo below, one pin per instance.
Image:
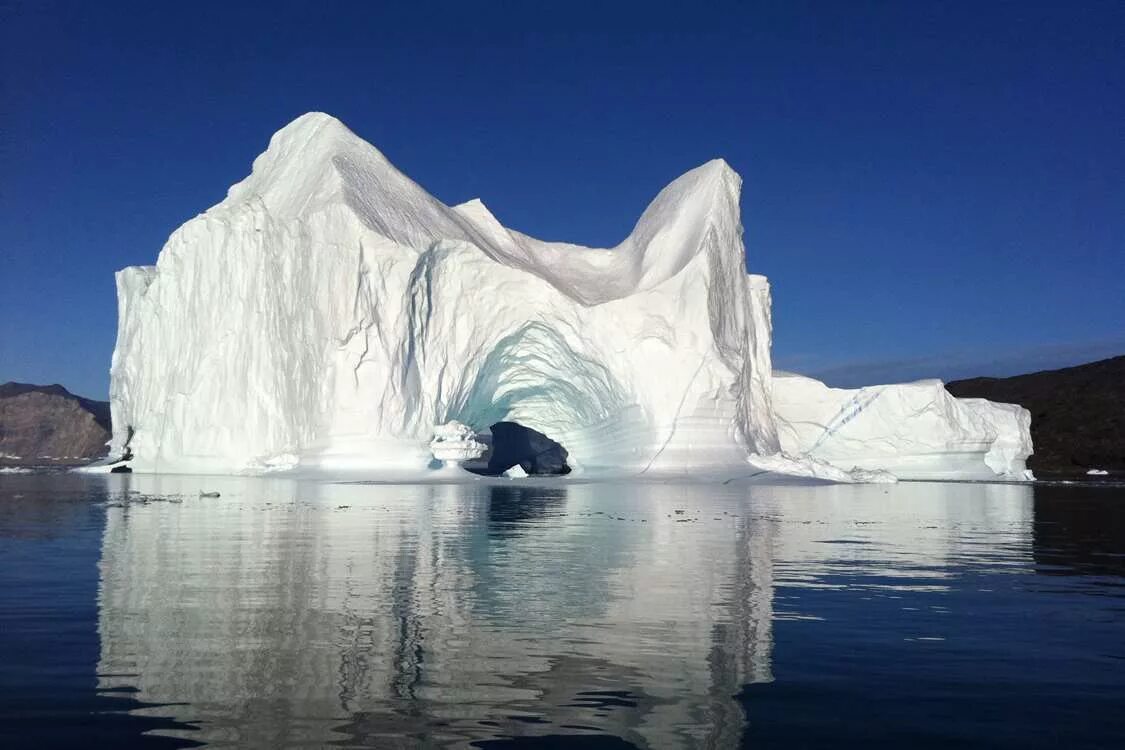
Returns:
(288, 613)
(431, 609)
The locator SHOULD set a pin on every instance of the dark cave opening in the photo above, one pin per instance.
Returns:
(513, 444)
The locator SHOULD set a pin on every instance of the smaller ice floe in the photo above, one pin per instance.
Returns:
(1097, 473)
(516, 472)
(9, 457)
(914, 430)
(14, 470)
(209, 494)
(454, 443)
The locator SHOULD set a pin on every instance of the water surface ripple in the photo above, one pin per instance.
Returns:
(134, 612)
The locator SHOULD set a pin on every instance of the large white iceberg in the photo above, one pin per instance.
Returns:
(330, 312)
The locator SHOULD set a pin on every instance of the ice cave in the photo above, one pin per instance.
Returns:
(329, 315)
(510, 444)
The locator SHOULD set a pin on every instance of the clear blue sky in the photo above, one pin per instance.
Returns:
(932, 188)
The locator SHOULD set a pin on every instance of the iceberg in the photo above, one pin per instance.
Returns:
(911, 430)
(330, 314)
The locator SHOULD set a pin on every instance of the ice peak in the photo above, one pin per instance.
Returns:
(315, 163)
(299, 163)
(313, 133)
(718, 167)
(311, 121)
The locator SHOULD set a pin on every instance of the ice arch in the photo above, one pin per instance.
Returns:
(533, 377)
(515, 445)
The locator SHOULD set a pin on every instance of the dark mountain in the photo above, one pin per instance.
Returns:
(1077, 413)
(40, 423)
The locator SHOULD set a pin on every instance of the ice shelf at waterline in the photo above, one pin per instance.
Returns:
(329, 313)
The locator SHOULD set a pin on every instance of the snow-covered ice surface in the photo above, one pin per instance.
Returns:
(330, 312)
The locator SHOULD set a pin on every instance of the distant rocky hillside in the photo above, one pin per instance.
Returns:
(1077, 413)
(48, 423)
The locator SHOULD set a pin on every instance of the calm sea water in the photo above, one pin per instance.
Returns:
(134, 612)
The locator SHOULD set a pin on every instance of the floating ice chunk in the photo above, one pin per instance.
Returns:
(1097, 473)
(454, 442)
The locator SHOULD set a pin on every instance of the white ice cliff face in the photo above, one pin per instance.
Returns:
(329, 313)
